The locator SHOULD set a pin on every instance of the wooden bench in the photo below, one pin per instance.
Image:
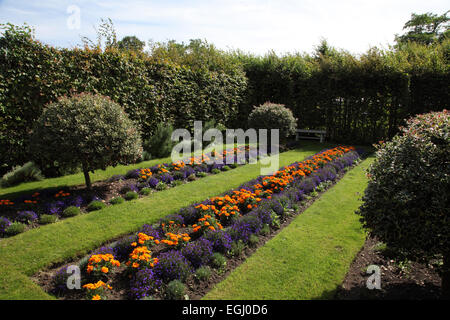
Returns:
(321, 133)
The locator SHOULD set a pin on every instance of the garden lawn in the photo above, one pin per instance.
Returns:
(78, 178)
(310, 257)
(23, 255)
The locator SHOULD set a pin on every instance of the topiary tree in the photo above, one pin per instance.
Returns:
(406, 202)
(273, 116)
(87, 130)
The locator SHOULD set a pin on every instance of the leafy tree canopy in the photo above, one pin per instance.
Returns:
(427, 28)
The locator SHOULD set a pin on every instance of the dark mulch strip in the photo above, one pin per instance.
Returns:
(399, 281)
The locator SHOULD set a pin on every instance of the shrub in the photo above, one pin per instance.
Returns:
(265, 230)
(220, 240)
(144, 283)
(145, 191)
(117, 200)
(226, 168)
(123, 248)
(71, 212)
(27, 216)
(131, 174)
(253, 240)
(179, 175)
(76, 201)
(237, 247)
(87, 130)
(198, 253)
(14, 228)
(201, 174)
(205, 223)
(192, 177)
(59, 281)
(273, 116)
(406, 201)
(141, 257)
(171, 223)
(215, 171)
(177, 183)
(176, 290)
(218, 261)
(4, 223)
(203, 273)
(47, 219)
(131, 195)
(28, 172)
(101, 264)
(172, 266)
(244, 227)
(161, 186)
(160, 144)
(128, 188)
(95, 205)
(189, 214)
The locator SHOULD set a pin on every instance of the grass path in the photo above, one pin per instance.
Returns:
(23, 255)
(309, 258)
(75, 179)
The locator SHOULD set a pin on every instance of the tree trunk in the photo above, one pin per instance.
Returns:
(87, 178)
(446, 277)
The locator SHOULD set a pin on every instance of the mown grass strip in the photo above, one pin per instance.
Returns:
(75, 179)
(41, 247)
(78, 178)
(309, 258)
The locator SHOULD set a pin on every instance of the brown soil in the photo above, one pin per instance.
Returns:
(400, 279)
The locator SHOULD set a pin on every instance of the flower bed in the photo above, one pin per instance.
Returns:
(51, 205)
(183, 246)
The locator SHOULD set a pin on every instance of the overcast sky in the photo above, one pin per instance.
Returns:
(254, 26)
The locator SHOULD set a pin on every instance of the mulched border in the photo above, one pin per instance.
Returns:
(412, 280)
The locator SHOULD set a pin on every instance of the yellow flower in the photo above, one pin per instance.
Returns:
(96, 297)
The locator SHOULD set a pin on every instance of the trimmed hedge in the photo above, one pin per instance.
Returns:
(358, 100)
(33, 74)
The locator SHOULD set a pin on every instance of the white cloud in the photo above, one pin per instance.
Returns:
(251, 25)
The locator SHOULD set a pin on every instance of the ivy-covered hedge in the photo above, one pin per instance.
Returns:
(151, 91)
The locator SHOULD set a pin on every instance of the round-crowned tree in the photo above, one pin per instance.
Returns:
(86, 130)
(406, 201)
(273, 116)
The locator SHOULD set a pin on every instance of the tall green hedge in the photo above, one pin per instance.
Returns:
(357, 99)
(150, 90)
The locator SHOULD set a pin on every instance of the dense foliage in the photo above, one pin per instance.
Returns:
(426, 28)
(273, 116)
(406, 203)
(150, 90)
(87, 130)
(358, 99)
